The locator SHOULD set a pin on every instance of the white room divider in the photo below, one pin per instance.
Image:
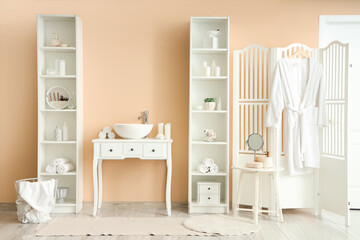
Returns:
(253, 71)
(334, 181)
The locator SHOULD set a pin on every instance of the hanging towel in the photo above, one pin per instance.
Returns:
(202, 168)
(50, 169)
(208, 162)
(214, 168)
(57, 161)
(66, 167)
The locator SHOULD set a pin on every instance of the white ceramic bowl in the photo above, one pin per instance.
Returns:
(133, 131)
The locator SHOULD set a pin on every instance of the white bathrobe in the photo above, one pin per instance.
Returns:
(298, 89)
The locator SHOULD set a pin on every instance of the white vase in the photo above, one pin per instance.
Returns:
(209, 106)
(218, 106)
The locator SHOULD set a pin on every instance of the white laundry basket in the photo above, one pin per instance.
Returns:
(35, 199)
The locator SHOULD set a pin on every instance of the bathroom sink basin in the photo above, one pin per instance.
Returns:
(133, 131)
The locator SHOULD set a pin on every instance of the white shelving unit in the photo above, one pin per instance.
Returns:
(69, 28)
(200, 88)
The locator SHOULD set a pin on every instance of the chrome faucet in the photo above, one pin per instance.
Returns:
(145, 116)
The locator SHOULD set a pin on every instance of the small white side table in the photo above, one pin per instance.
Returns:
(256, 207)
(119, 149)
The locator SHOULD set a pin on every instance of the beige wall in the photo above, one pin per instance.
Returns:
(135, 58)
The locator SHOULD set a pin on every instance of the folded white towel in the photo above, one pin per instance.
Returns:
(208, 162)
(214, 168)
(57, 161)
(102, 135)
(66, 167)
(111, 135)
(107, 129)
(50, 169)
(202, 168)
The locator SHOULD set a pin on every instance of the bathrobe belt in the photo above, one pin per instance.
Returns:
(300, 115)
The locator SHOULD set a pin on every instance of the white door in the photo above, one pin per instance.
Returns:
(346, 29)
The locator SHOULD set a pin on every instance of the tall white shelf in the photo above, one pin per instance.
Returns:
(69, 28)
(200, 88)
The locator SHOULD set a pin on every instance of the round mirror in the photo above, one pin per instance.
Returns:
(255, 142)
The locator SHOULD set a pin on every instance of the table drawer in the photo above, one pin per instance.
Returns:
(111, 150)
(209, 188)
(155, 150)
(132, 149)
(208, 199)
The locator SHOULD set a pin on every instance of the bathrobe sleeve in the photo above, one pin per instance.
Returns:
(276, 101)
(320, 102)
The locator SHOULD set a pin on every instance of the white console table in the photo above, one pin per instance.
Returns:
(119, 149)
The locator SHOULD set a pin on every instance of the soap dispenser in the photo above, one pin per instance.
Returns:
(56, 42)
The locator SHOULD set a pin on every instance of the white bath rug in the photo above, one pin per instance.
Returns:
(221, 225)
(115, 226)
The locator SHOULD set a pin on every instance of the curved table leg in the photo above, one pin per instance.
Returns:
(168, 181)
(95, 164)
(100, 182)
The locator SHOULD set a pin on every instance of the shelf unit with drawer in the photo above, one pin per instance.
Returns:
(202, 87)
(69, 29)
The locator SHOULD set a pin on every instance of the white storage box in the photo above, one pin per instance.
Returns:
(209, 193)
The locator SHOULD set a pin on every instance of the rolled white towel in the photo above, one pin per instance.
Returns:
(102, 135)
(57, 161)
(208, 162)
(66, 167)
(111, 135)
(107, 129)
(214, 168)
(202, 168)
(50, 169)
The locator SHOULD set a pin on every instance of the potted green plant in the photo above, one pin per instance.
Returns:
(209, 104)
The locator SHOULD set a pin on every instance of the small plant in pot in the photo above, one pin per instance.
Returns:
(209, 104)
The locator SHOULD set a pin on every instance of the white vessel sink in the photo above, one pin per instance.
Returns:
(133, 131)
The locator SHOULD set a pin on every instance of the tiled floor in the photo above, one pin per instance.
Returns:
(298, 224)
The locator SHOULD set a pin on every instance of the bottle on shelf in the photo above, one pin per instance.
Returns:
(65, 132)
(61, 68)
(218, 104)
(217, 71)
(58, 134)
(204, 68)
(213, 68)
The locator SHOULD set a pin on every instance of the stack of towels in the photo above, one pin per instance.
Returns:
(60, 166)
(107, 133)
(208, 165)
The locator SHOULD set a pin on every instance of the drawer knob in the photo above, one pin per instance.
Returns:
(209, 198)
(111, 150)
(153, 150)
(132, 149)
(208, 188)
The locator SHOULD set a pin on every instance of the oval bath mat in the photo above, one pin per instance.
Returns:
(221, 225)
